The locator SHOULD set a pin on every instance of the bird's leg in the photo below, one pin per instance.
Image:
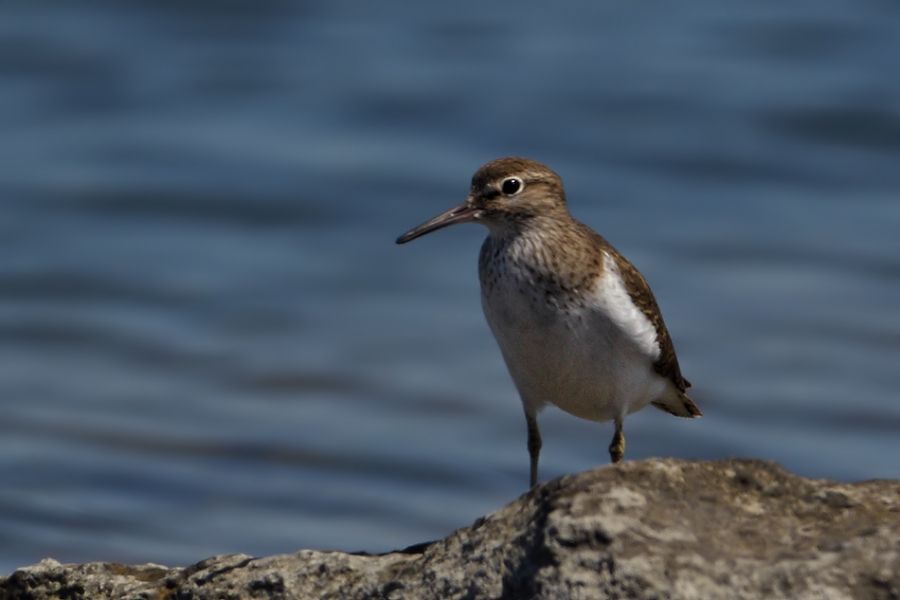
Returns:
(617, 446)
(534, 444)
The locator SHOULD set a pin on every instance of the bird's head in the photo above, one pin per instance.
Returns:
(504, 194)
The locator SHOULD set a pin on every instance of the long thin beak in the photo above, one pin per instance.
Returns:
(459, 214)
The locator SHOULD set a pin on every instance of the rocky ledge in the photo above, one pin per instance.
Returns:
(643, 529)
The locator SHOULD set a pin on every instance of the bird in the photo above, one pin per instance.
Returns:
(577, 324)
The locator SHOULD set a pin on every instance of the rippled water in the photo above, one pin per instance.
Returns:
(211, 344)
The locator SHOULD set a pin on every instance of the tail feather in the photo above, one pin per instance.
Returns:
(682, 406)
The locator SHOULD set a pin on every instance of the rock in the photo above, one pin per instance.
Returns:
(643, 529)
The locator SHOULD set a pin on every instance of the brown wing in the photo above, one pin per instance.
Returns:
(667, 363)
(642, 296)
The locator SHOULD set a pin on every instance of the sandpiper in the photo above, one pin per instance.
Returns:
(577, 324)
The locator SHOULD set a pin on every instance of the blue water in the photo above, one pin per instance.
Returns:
(210, 343)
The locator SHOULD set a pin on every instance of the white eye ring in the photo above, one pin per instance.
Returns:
(512, 186)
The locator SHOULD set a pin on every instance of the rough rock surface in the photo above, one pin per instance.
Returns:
(642, 529)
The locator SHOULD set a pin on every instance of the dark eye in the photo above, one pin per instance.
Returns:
(511, 186)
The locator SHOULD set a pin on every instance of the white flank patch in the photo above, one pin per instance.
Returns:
(614, 301)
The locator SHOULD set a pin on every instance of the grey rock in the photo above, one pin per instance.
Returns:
(643, 529)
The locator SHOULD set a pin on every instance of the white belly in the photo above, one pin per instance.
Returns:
(578, 359)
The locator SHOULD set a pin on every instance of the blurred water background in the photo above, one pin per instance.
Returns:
(209, 342)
